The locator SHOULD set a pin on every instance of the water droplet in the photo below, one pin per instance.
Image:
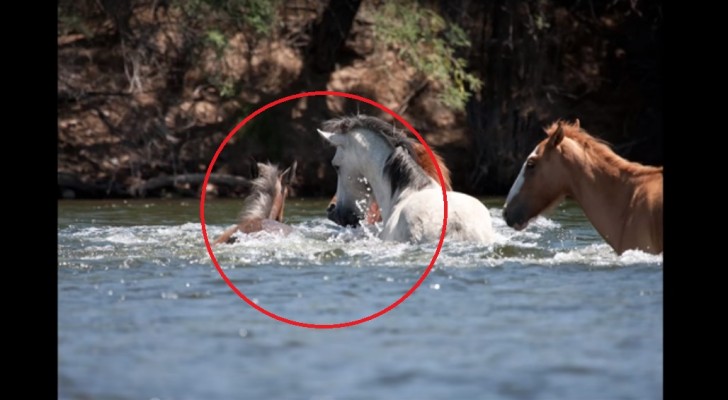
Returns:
(243, 332)
(255, 301)
(187, 284)
(435, 286)
(121, 281)
(326, 277)
(110, 292)
(389, 279)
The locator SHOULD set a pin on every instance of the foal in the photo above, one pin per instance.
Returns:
(263, 207)
(622, 199)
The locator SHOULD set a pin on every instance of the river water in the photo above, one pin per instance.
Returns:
(547, 313)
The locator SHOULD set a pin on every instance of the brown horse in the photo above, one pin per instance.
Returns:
(622, 199)
(373, 214)
(263, 207)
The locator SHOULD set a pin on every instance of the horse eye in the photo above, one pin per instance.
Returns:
(336, 167)
(530, 164)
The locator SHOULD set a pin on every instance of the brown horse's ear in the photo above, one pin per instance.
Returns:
(289, 174)
(557, 136)
(577, 124)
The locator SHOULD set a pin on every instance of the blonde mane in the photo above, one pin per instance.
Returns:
(258, 204)
(599, 150)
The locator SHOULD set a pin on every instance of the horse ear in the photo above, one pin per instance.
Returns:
(333, 138)
(254, 169)
(258, 167)
(557, 136)
(289, 174)
(577, 124)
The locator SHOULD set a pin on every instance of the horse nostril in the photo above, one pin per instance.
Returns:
(331, 207)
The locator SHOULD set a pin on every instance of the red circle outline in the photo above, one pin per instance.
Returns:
(305, 324)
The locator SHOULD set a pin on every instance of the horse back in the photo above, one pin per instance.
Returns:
(419, 218)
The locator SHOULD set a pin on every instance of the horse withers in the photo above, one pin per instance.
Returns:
(263, 207)
(410, 200)
(621, 199)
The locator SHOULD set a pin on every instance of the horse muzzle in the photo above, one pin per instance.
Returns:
(515, 219)
(342, 217)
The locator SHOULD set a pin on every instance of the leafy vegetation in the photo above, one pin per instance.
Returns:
(429, 43)
(253, 16)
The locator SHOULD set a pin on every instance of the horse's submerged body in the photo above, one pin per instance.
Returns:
(263, 207)
(622, 199)
(410, 200)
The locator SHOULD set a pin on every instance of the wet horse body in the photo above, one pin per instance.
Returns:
(263, 207)
(622, 199)
(409, 199)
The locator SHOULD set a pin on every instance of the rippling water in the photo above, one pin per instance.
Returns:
(547, 313)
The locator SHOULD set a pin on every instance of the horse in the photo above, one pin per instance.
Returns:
(263, 207)
(621, 199)
(410, 200)
(366, 208)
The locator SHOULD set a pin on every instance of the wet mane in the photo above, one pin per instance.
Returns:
(258, 204)
(395, 137)
(401, 166)
(600, 150)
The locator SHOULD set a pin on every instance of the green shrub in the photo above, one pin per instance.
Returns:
(428, 42)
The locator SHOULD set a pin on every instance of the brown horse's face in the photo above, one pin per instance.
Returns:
(540, 185)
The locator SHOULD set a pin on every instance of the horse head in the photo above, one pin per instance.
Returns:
(542, 182)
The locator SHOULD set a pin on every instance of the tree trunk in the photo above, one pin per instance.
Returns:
(504, 119)
(331, 33)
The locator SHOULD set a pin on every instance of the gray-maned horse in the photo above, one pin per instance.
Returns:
(410, 200)
(366, 208)
(263, 207)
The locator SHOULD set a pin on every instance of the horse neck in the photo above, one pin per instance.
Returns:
(261, 205)
(381, 187)
(378, 154)
(604, 191)
(372, 159)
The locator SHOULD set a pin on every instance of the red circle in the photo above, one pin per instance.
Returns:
(340, 324)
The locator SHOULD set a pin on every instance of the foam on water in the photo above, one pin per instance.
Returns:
(317, 241)
(548, 312)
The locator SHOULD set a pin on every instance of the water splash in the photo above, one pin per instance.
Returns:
(317, 241)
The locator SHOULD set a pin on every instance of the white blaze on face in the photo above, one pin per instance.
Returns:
(519, 180)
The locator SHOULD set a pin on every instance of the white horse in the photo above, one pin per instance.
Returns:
(410, 201)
